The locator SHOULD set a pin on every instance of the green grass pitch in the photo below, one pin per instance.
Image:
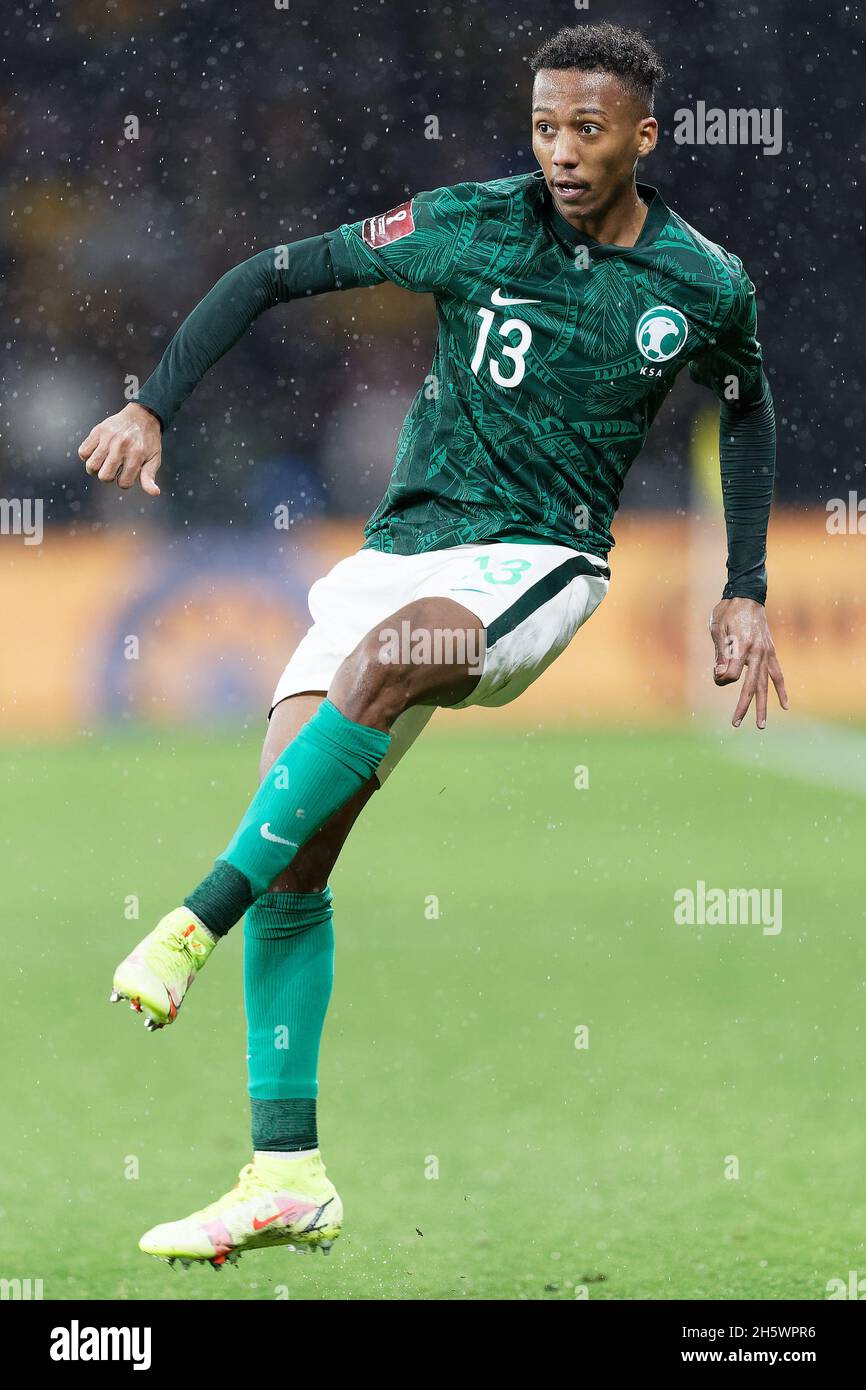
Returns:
(561, 1171)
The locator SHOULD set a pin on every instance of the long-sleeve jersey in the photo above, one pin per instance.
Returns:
(553, 356)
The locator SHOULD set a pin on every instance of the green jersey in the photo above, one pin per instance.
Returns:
(554, 354)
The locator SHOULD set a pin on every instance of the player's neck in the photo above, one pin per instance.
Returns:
(619, 224)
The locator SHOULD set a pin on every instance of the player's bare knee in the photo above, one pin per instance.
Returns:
(423, 654)
(369, 687)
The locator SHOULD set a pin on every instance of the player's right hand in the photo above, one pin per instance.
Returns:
(124, 447)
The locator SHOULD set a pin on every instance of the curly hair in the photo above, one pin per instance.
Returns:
(608, 48)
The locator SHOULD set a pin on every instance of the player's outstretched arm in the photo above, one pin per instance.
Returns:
(417, 245)
(127, 446)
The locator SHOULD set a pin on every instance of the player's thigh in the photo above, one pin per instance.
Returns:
(425, 653)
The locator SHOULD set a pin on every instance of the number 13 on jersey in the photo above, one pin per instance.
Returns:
(515, 351)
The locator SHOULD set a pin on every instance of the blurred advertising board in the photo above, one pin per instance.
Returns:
(115, 629)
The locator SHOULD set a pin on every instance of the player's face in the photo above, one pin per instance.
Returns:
(587, 134)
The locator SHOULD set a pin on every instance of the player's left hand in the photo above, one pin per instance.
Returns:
(742, 641)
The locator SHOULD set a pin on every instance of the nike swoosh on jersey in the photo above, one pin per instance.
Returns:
(265, 831)
(498, 297)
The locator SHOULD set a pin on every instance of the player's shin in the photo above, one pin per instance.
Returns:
(328, 761)
(288, 976)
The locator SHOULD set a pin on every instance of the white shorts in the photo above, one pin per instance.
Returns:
(531, 599)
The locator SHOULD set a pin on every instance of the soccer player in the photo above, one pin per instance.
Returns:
(569, 298)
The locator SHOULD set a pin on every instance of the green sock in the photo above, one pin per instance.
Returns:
(325, 764)
(288, 976)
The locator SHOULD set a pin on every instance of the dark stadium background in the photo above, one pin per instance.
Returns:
(260, 125)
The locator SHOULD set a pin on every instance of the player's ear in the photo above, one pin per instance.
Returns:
(648, 134)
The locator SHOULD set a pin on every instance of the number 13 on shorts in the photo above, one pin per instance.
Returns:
(494, 571)
(509, 571)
